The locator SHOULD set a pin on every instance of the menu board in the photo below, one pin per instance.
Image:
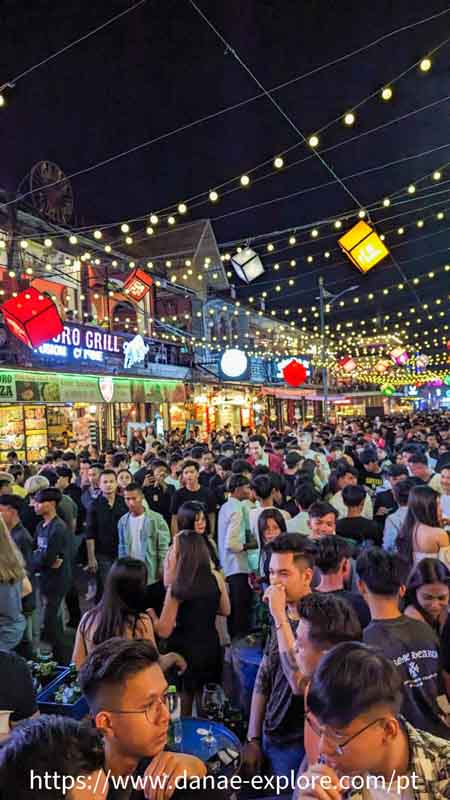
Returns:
(12, 432)
(35, 432)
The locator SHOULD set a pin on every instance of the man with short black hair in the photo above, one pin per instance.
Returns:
(354, 701)
(53, 758)
(305, 496)
(418, 468)
(52, 560)
(191, 490)
(412, 645)
(371, 474)
(233, 554)
(395, 520)
(322, 519)
(102, 538)
(258, 456)
(276, 726)
(127, 692)
(355, 526)
(143, 533)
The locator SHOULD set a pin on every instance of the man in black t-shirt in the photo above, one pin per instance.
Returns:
(191, 490)
(17, 692)
(333, 562)
(354, 525)
(411, 645)
(370, 474)
(53, 561)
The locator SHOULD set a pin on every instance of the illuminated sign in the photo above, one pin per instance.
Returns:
(234, 364)
(81, 343)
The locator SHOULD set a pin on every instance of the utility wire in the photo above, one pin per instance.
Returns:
(11, 83)
(293, 126)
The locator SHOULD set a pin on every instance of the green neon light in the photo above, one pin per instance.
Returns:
(53, 375)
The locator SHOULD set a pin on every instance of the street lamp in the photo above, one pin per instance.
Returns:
(327, 298)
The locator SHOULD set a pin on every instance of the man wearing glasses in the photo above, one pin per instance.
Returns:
(126, 691)
(367, 750)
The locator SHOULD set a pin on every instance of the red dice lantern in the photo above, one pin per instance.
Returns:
(294, 373)
(137, 285)
(347, 363)
(32, 317)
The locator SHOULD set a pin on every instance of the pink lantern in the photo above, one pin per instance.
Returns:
(399, 356)
(347, 363)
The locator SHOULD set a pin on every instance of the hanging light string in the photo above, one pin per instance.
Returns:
(202, 194)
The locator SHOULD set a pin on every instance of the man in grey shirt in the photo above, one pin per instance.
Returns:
(395, 520)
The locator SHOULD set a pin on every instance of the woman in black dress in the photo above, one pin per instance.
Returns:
(195, 595)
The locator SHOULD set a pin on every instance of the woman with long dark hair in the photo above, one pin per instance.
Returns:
(427, 599)
(427, 593)
(118, 614)
(421, 535)
(196, 594)
(191, 517)
(270, 524)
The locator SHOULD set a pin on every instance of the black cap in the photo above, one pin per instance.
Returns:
(50, 495)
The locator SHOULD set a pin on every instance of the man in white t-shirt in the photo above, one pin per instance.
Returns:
(445, 496)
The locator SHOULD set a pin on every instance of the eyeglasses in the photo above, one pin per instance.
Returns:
(151, 711)
(337, 738)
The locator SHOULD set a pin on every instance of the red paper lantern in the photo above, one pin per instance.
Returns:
(32, 317)
(137, 285)
(294, 373)
(347, 363)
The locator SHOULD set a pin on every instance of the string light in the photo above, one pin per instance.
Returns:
(386, 93)
(171, 220)
(245, 180)
(98, 234)
(411, 189)
(349, 118)
(154, 219)
(213, 196)
(125, 228)
(48, 242)
(182, 208)
(278, 162)
(313, 141)
(425, 64)
(437, 175)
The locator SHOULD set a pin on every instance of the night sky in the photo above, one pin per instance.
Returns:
(161, 67)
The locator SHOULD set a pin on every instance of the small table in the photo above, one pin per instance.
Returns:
(195, 743)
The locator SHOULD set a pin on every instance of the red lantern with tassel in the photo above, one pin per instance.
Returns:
(32, 317)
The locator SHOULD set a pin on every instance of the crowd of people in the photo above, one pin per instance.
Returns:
(151, 559)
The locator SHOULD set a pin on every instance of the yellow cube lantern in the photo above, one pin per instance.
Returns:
(363, 246)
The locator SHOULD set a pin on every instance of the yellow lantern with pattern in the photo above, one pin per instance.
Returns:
(363, 246)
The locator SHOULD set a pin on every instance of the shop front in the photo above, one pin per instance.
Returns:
(214, 407)
(41, 410)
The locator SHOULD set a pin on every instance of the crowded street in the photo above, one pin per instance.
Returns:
(224, 401)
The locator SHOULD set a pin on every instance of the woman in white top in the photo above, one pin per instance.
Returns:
(422, 534)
